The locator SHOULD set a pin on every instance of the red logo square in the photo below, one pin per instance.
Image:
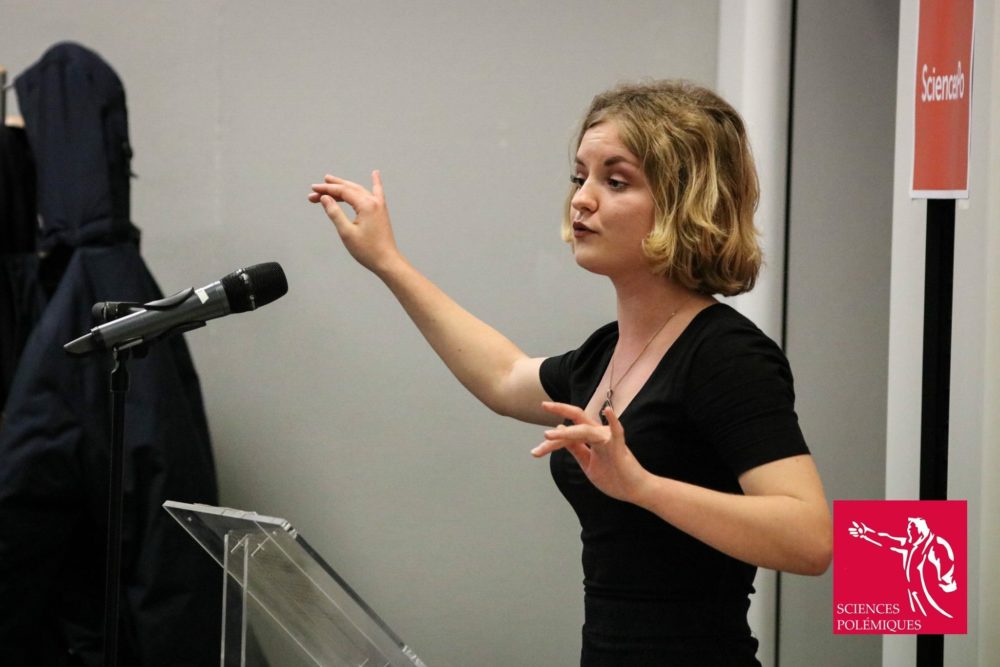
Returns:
(899, 566)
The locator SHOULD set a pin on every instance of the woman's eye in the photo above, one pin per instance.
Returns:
(616, 184)
(577, 181)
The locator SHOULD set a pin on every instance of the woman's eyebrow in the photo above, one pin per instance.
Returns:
(613, 160)
(617, 159)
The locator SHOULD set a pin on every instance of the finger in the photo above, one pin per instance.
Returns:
(377, 184)
(563, 435)
(314, 197)
(351, 193)
(579, 450)
(335, 191)
(567, 411)
(546, 448)
(336, 214)
(617, 432)
(579, 432)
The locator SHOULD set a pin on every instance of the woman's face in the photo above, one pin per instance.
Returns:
(612, 209)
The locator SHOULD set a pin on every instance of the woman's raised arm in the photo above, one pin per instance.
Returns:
(489, 365)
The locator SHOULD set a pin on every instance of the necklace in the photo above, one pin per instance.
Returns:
(611, 374)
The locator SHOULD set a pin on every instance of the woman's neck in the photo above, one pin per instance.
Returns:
(645, 301)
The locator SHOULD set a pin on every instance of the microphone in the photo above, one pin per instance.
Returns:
(242, 290)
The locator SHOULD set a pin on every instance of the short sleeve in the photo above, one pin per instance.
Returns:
(554, 374)
(572, 374)
(741, 400)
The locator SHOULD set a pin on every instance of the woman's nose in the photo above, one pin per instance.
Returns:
(583, 199)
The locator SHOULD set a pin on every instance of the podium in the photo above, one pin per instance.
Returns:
(283, 605)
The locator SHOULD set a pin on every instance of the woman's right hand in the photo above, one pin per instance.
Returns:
(369, 236)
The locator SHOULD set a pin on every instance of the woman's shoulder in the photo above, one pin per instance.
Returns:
(722, 321)
(721, 332)
(597, 345)
(561, 372)
(601, 338)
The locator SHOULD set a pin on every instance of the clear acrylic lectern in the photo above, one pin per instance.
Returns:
(283, 605)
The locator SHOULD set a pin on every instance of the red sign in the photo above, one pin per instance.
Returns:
(899, 567)
(943, 101)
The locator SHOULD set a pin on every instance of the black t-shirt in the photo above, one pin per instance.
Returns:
(719, 403)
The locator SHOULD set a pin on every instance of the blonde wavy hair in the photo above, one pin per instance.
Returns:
(695, 155)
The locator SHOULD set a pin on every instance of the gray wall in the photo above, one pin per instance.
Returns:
(326, 407)
(838, 280)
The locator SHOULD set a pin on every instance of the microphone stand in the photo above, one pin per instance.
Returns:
(272, 279)
(120, 355)
(112, 582)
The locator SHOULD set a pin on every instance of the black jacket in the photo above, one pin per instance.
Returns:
(54, 441)
(21, 297)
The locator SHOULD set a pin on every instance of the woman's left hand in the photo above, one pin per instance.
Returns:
(600, 450)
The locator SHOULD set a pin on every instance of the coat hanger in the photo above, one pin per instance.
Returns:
(3, 93)
(12, 121)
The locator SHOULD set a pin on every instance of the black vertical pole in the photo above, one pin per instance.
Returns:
(112, 584)
(786, 262)
(936, 390)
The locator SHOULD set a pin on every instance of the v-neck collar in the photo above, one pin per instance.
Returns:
(657, 370)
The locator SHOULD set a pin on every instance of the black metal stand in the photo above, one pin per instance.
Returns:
(112, 587)
(936, 390)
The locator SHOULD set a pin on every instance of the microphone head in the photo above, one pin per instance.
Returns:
(254, 286)
(106, 311)
(99, 312)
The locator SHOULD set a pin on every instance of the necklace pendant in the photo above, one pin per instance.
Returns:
(606, 404)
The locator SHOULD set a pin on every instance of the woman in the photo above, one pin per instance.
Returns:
(673, 435)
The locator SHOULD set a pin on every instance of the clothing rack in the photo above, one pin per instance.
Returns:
(11, 121)
(3, 94)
